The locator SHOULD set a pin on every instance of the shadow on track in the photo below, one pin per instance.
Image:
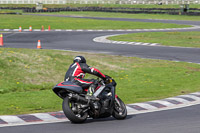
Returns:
(88, 121)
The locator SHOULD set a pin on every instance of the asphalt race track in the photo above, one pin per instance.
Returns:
(83, 41)
(184, 120)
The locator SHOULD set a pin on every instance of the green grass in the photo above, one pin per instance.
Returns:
(101, 5)
(134, 16)
(10, 11)
(14, 21)
(3, 32)
(183, 39)
(27, 76)
(29, 102)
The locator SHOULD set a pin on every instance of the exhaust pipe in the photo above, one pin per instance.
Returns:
(79, 99)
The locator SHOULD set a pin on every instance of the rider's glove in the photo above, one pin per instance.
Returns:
(107, 79)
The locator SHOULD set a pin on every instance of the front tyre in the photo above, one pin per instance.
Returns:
(120, 111)
(73, 111)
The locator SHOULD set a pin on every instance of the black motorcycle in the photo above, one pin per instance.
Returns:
(78, 106)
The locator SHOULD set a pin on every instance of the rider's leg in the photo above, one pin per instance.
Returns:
(92, 85)
(92, 88)
(89, 84)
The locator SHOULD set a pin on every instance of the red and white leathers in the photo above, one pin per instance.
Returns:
(77, 71)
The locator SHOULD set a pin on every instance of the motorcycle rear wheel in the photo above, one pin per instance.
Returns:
(120, 111)
(73, 116)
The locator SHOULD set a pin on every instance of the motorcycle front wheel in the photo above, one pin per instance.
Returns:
(120, 111)
(73, 111)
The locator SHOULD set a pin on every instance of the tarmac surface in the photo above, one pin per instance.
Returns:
(184, 120)
(83, 41)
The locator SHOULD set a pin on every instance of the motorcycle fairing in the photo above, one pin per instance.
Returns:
(66, 86)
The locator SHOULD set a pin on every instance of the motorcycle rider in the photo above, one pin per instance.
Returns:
(77, 71)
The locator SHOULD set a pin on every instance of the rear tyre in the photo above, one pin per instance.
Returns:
(120, 111)
(73, 112)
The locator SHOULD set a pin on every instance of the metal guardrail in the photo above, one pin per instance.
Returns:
(32, 1)
(166, 2)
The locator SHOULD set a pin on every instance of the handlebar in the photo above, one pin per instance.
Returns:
(107, 81)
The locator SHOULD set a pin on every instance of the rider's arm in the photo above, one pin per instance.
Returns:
(92, 70)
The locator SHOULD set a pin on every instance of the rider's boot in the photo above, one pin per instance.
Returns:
(90, 93)
(91, 89)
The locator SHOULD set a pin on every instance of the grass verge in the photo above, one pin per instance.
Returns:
(10, 11)
(183, 39)
(14, 21)
(27, 76)
(134, 16)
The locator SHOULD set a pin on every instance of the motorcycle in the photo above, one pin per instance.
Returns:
(78, 106)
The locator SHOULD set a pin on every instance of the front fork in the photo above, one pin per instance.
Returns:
(116, 100)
